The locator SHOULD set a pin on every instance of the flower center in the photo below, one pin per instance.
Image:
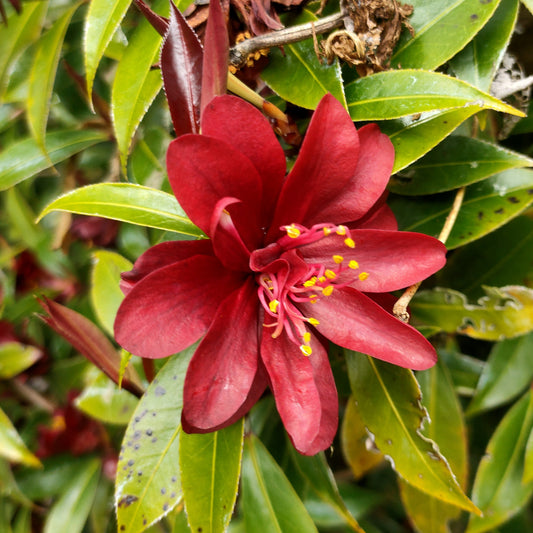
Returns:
(281, 289)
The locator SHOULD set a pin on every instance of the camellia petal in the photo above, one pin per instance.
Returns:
(223, 368)
(352, 320)
(171, 308)
(326, 164)
(381, 218)
(224, 118)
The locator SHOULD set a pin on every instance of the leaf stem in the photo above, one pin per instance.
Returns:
(400, 307)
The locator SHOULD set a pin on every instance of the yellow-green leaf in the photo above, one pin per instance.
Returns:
(11, 445)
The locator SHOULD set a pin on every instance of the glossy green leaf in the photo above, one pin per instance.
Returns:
(473, 266)
(357, 446)
(16, 357)
(106, 295)
(414, 136)
(298, 76)
(24, 159)
(136, 84)
(505, 312)
(397, 93)
(70, 512)
(101, 22)
(269, 502)
(11, 445)
(487, 205)
(128, 203)
(210, 466)
(498, 488)
(455, 162)
(464, 370)
(507, 373)
(441, 29)
(478, 61)
(316, 471)
(104, 401)
(21, 30)
(528, 461)
(148, 483)
(447, 429)
(43, 73)
(389, 400)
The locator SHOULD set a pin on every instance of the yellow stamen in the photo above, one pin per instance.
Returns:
(330, 274)
(341, 230)
(292, 231)
(313, 298)
(354, 265)
(322, 279)
(338, 259)
(313, 321)
(363, 276)
(306, 350)
(326, 231)
(310, 282)
(349, 242)
(307, 337)
(327, 290)
(273, 305)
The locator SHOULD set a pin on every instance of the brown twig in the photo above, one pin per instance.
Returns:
(400, 307)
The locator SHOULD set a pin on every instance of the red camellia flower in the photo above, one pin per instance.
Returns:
(290, 262)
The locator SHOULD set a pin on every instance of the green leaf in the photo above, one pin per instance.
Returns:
(16, 357)
(210, 466)
(106, 295)
(136, 84)
(487, 205)
(414, 136)
(455, 162)
(464, 370)
(101, 22)
(528, 461)
(128, 203)
(21, 30)
(447, 429)
(42, 76)
(70, 512)
(504, 312)
(507, 373)
(473, 266)
(441, 29)
(24, 159)
(148, 483)
(498, 488)
(104, 401)
(478, 62)
(316, 471)
(389, 400)
(529, 5)
(298, 76)
(397, 93)
(11, 445)
(269, 502)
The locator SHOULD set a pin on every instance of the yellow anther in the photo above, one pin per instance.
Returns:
(349, 242)
(341, 230)
(292, 231)
(313, 298)
(313, 321)
(363, 276)
(326, 231)
(273, 305)
(354, 265)
(307, 337)
(327, 290)
(330, 274)
(322, 279)
(310, 282)
(306, 350)
(338, 259)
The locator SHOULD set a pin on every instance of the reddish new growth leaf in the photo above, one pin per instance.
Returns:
(290, 261)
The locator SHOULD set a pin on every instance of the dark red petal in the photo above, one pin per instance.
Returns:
(227, 243)
(326, 164)
(241, 125)
(223, 368)
(292, 381)
(161, 255)
(181, 68)
(352, 320)
(329, 401)
(170, 309)
(392, 259)
(382, 218)
(203, 170)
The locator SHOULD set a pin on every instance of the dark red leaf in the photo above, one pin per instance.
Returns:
(159, 23)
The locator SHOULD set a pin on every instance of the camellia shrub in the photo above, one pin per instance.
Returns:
(266, 267)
